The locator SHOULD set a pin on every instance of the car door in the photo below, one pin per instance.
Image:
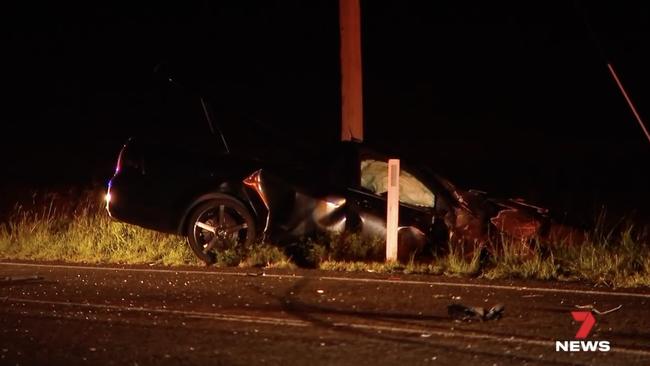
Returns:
(367, 203)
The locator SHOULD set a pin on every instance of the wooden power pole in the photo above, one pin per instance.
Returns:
(351, 80)
(352, 110)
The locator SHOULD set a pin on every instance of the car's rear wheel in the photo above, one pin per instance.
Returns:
(220, 224)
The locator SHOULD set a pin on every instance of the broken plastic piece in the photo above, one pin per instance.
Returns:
(467, 313)
(596, 311)
(495, 312)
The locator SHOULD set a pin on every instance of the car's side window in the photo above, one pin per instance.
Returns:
(374, 177)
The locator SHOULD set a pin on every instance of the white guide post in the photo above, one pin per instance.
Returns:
(392, 210)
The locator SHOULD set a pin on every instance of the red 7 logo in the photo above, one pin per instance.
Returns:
(587, 320)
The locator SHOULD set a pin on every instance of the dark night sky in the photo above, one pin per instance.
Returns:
(511, 97)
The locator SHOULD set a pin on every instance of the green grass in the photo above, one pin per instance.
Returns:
(267, 256)
(83, 232)
(80, 231)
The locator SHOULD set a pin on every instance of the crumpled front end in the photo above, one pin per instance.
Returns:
(480, 220)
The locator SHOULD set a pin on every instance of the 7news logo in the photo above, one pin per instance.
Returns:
(588, 321)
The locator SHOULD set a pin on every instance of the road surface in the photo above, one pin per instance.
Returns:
(59, 314)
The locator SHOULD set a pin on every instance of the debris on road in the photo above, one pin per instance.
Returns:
(495, 312)
(467, 313)
(596, 311)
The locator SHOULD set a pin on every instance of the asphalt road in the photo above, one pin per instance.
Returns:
(85, 315)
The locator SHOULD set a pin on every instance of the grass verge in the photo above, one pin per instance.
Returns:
(63, 229)
(83, 232)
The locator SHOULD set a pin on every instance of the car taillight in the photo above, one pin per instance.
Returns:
(254, 181)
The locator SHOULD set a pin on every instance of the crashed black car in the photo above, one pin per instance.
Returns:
(219, 199)
(188, 181)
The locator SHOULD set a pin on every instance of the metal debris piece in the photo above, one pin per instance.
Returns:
(596, 311)
(495, 312)
(20, 279)
(253, 274)
(467, 313)
(528, 296)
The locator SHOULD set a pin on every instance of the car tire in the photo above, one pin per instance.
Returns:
(219, 224)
